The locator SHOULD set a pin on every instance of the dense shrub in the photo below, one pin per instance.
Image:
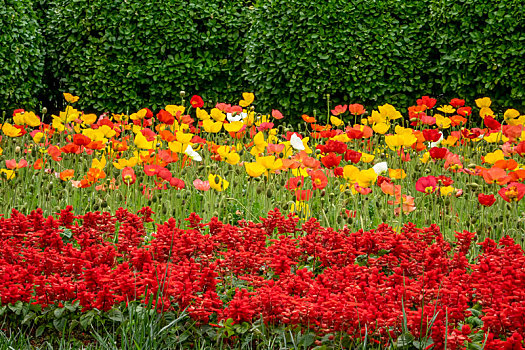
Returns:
(357, 51)
(123, 55)
(21, 55)
(481, 48)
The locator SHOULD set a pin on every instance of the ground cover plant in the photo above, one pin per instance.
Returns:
(209, 255)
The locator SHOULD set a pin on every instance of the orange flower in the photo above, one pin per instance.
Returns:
(308, 119)
(92, 177)
(319, 179)
(67, 174)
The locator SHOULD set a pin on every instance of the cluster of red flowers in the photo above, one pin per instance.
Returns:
(328, 280)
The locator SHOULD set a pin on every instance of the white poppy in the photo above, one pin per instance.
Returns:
(192, 154)
(380, 168)
(237, 117)
(296, 142)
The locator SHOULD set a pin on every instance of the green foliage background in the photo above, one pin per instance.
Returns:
(120, 56)
(22, 55)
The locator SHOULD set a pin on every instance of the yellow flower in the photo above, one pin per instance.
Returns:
(254, 169)
(88, 118)
(442, 122)
(233, 126)
(446, 191)
(174, 109)
(350, 173)
(217, 115)
(493, 157)
(485, 111)
(9, 174)
(448, 109)
(202, 114)
(141, 142)
(366, 158)
(123, 162)
(38, 137)
(425, 158)
(389, 112)
(381, 128)
(396, 174)
(211, 127)
(510, 114)
(366, 178)
(247, 100)
(139, 115)
(217, 182)
(98, 164)
(483, 102)
(335, 121)
(10, 130)
(233, 158)
(496, 137)
(259, 144)
(70, 98)
(270, 163)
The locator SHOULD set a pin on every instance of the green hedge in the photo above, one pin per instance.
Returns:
(125, 55)
(481, 46)
(357, 51)
(21, 55)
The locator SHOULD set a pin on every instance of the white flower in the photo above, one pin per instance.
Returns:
(380, 168)
(297, 143)
(237, 117)
(192, 154)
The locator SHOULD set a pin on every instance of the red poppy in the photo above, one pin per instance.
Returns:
(464, 111)
(177, 183)
(128, 175)
(196, 101)
(353, 156)
(432, 135)
(165, 117)
(427, 101)
(427, 184)
(331, 160)
(491, 123)
(486, 200)
(81, 140)
(438, 152)
(457, 102)
(294, 182)
(513, 192)
(276, 114)
(319, 179)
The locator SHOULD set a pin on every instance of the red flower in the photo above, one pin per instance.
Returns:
(513, 192)
(81, 140)
(165, 117)
(319, 179)
(353, 156)
(177, 183)
(426, 184)
(431, 135)
(276, 114)
(426, 101)
(486, 199)
(128, 175)
(491, 123)
(294, 183)
(456, 102)
(196, 101)
(438, 152)
(331, 160)
(464, 111)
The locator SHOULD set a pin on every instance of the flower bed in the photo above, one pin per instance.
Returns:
(385, 284)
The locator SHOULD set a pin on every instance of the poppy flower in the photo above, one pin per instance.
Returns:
(196, 101)
(514, 192)
(201, 185)
(356, 109)
(177, 183)
(331, 160)
(352, 156)
(486, 200)
(165, 117)
(339, 110)
(426, 184)
(427, 101)
(13, 164)
(218, 183)
(456, 102)
(277, 114)
(128, 175)
(70, 98)
(432, 135)
(438, 152)
(308, 119)
(319, 179)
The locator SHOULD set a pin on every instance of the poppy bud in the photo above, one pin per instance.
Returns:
(269, 193)
(182, 93)
(323, 193)
(44, 110)
(104, 204)
(17, 149)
